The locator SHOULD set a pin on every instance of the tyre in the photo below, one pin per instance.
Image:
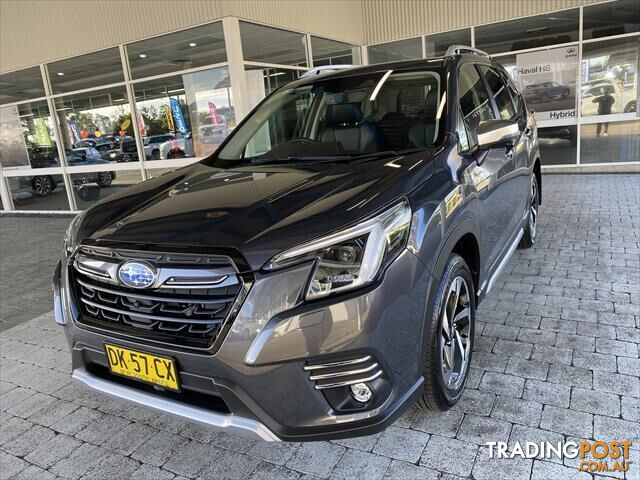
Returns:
(43, 185)
(176, 154)
(452, 320)
(155, 155)
(531, 228)
(104, 179)
(630, 107)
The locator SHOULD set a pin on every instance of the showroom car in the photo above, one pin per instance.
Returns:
(47, 157)
(545, 91)
(329, 255)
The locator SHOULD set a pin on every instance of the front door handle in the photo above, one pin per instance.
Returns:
(528, 132)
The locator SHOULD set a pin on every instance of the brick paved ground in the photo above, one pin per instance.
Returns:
(556, 359)
(30, 248)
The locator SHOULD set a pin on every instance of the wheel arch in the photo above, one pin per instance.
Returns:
(537, 170)
(464, 242)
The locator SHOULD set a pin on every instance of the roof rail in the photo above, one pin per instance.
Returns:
(460, 49)
(325, 69)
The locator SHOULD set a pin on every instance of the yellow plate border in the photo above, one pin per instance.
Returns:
(173, 361)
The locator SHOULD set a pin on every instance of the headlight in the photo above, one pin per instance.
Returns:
(70, 234)
(351, 258)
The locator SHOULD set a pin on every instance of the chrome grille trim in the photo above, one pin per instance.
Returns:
(344, 372)
(168, 276)
(136, 294)
(337, 364)
(346, 383)
(150, 317)
(192, 304)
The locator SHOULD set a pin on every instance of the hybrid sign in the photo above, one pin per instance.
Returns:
(547, 80)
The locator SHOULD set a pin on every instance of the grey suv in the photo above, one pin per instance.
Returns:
(320, 271)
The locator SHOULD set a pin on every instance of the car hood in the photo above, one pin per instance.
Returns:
(255, 211)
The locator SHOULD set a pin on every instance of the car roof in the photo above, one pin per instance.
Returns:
(365, 69)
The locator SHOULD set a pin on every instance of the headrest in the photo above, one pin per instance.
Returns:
(344, 114)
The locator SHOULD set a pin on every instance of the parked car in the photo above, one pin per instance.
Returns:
(178, 147)
(152, 145)
(624, 98)
(545, 91)
(319, 273)
(127, 152)
(44, 185)
(213, 134)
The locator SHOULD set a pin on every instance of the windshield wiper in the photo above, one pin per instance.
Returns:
(302, 158)
(386, 153)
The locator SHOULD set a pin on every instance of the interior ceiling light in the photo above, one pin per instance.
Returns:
(143, 55)
(193, 44)
(61, 74)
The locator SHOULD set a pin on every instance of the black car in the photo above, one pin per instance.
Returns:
(47, 157)
(319, 273)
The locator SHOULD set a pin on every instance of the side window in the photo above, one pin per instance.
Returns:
(474, 100)
(500, 93)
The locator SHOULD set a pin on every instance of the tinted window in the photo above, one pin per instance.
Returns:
(611, 18)
(474, 101)
(177, 51)
(395, 51)
(500, 93)
(436, 45)
(353, 115)
(91, 70)
(529, 32)
(21, 85)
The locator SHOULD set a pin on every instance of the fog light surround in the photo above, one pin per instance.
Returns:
(361, 392)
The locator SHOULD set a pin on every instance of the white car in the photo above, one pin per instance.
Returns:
(625, 98)
(176, 148)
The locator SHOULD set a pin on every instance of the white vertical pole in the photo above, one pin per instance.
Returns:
(7, 201)
(233, 46)
(68, 183)
(134, 112)
(473, 36)
(309, 52)
(364, 55)
(579, 90)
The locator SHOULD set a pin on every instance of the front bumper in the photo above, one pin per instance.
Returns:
(256, 383)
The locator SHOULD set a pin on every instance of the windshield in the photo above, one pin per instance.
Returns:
(346, 117)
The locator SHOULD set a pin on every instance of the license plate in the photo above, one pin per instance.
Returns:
(147, 368)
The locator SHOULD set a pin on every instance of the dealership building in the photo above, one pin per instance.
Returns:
(97, 96)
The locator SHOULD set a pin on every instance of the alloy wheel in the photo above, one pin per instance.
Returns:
(42, 185)
(105, 179)
(454, 343)
(533, 209)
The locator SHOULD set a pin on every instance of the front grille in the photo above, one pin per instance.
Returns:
(192, 300)
(344, 372)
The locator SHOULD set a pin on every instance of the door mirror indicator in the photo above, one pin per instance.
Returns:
(497, 133)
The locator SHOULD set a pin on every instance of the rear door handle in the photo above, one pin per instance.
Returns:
(528, 132)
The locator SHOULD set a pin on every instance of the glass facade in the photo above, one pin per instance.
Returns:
(409, 49)
(530, 32)
(331, 52)
(76, 130)
(181, 50)
(436, 45)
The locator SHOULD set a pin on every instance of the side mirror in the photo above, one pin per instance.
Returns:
(496, 133)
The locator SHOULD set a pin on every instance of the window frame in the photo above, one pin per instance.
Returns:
(497, 72)
(472, 134)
